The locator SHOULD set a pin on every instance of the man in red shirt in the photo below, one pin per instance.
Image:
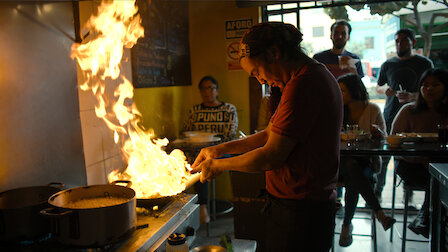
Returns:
(299, 149)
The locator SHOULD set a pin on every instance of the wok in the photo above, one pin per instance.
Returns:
(158, 201)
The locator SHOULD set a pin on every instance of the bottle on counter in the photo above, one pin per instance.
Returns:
(177, 243)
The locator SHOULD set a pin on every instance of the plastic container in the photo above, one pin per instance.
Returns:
(177, 243)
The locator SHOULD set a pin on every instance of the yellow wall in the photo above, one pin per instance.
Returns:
(165, 109)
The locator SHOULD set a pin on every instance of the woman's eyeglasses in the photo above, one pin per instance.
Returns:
(207, 89)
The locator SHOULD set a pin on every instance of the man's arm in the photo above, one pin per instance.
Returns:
(270, 156)
(382, 88)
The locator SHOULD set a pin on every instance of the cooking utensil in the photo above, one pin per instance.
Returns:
(158, 201)
(93, 216)
(147, 203)
(19, 212)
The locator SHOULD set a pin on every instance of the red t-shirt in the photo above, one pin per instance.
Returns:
(310, 111)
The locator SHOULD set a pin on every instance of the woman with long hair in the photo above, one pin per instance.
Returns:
(358, 173)
(424, 115)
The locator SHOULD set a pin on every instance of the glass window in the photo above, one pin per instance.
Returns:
(275, 18)
(290, 6)
(318, 31)
(369, 42)
(290, 18)
(274, 7)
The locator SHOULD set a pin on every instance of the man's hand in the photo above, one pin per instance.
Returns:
(208, 172)
(405, 97)
(390, 92)
(211, 152)
(386, 90)
(346, 62)
(376, 132)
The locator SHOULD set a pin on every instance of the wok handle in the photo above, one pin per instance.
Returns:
(56, 184)
(51, 212)
(127, 182)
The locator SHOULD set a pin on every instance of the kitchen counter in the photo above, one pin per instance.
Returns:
(176, 217)
(153, 228)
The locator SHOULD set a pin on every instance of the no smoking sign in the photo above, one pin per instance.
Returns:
(232, 55)
(232, 50)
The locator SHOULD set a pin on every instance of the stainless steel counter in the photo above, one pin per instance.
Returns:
(176, 217)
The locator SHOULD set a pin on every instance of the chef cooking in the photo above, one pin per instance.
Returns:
(299, 149)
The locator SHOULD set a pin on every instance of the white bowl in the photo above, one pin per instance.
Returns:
(196, 136)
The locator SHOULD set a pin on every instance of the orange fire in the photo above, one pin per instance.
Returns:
(152, 171)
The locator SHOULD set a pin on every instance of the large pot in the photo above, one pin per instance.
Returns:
(93, 216)
(19, 212)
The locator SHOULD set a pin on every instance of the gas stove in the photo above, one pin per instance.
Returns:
(152, 230)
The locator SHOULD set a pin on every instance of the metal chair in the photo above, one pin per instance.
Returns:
(407, 189)
(372, 226)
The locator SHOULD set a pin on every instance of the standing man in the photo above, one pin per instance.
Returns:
(338, 60)
(398, 80)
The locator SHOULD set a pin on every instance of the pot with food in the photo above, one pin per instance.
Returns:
(93, 216)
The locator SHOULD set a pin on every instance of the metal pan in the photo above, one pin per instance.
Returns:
(159, 201)
(19, 212)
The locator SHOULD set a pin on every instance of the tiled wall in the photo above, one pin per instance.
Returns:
(102, 155)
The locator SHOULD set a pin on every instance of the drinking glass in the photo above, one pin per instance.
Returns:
(443, 135)
(351, 130)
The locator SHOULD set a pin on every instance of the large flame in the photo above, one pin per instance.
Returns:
(152, 171)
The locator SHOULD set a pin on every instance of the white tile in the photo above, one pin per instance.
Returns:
(96, 174)
(110, 148)
(86, 98)
(114, 163)
(92, 137)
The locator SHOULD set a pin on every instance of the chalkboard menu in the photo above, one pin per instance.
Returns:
(162, 57)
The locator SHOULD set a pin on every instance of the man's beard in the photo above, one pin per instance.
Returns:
(339, 45)
(404, 53)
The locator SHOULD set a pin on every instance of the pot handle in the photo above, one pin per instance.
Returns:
(127, 182)
(56, 184)
(53, 212)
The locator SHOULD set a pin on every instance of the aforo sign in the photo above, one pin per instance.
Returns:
(235, 30)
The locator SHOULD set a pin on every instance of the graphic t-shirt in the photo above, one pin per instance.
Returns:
(222, 120)
(395, 72)
(331, 61)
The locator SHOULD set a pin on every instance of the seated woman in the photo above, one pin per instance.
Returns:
(357, 173)
(214, 116)
(423, 115)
